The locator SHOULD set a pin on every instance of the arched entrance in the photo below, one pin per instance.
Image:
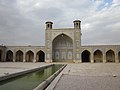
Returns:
(0, 55)
(98, 56)
(19, 56)
(29, 56)
(40, 57)
(110, 56)
(86, 56)
(119, 56)
(9, 56)
(62, 48)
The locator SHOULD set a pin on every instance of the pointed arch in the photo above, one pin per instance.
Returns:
(98, 56)
(86, 56)
(110, 56)
(119, 56)
(19, 56)
(9, 56)
(40, 56)
(61, 39)
(61, 45)
(29, 56)
(61, 34)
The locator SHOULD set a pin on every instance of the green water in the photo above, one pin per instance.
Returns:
(28, 81)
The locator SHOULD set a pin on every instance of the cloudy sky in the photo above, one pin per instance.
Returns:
(22, 22)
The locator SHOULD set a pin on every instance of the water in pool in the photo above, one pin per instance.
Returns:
(28, 81)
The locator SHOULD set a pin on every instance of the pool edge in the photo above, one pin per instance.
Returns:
(45, 83)
(2, 78)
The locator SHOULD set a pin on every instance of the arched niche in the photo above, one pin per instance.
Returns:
(62, 48)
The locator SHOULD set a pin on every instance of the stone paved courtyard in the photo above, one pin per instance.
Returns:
(86, 76)
(75, 82)
(82, 76)
(95, 69)
(13, 67)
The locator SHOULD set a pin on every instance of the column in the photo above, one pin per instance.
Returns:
(91, 58)
(34, 59)
(3, 56)
(23, 57)
(14, 57)
(116, 58)
(104, 58)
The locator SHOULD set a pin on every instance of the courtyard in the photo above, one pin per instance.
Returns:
(75, 76)
(87, 76)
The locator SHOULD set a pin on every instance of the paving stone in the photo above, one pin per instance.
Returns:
(14, 67)
(86, 76)
(76, 82)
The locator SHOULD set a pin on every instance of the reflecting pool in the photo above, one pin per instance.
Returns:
(29, 81)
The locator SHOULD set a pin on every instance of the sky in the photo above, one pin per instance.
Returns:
(22, 22)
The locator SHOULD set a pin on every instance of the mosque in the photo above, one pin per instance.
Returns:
(61, 45)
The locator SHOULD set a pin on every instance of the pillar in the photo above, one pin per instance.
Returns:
(116, 58)
(3, 56)
(104, 57)
(34, 59)
(23, 57)
(80, 57)
(91, 58)
(14, 56)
